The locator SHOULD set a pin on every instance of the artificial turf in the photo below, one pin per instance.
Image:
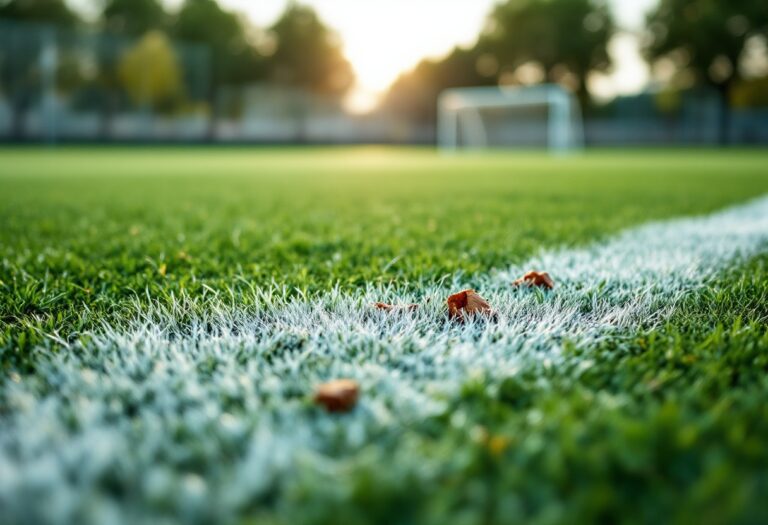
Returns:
(662, 425)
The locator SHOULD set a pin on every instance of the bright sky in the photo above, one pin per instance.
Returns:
(383, 38)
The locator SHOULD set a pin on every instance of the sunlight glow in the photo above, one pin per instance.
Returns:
(384, 38)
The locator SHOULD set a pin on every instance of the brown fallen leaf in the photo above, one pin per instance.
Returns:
(396, 307)
(339, 395)
(467, 303)
(535, 279)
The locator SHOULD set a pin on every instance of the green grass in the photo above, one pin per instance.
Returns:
(666, 425)
(85, 230)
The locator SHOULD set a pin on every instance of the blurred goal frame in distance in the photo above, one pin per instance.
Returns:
(460, 122)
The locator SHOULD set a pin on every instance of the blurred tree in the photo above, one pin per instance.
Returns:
(23, 67)
(751, 93)
(707, 38)
(150, 74)
(50, 11)
(234, 59)
(307, 54)
(414, 94)
(133, 17)
(525, 42)
(565, 39)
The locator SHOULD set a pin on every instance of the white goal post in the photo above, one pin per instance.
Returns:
(497, 117)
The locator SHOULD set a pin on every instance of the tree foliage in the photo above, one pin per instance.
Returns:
(567, 39)
(233, 58)
(415, 93)
(307, 54)
(133, 17)
(48, 11)
(751, 93)
(706, 37)
(150, 73)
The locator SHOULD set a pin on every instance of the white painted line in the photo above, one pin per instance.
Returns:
(147, 397)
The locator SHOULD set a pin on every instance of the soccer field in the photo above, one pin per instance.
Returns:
(166, 314)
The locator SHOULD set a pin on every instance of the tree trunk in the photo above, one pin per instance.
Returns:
(583, 94)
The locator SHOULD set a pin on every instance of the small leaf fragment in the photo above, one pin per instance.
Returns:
(396, 307)
(339, 395)
(541, 279)
(467, 303)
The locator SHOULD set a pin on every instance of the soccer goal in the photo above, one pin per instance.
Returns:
(544, 116)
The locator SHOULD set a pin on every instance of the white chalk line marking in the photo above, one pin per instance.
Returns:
(237, 378)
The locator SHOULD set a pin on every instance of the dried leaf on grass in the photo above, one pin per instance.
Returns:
(467, 303)
(541, 279)
(339, 395)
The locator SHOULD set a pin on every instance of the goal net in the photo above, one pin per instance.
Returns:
(544, 116)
